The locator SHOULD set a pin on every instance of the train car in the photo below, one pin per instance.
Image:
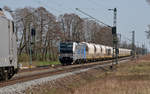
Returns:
(72, 52)
(103, 51)
(127, 52)
(90, 51)
(124, 52)
(8, 47)
(98, 53)
(80, 53)
(109, 52)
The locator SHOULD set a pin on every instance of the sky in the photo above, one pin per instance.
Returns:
(131, 14)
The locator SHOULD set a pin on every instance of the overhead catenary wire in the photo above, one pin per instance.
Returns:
(61, 5)
(39, 2)
(93, 17)
(129, 41)
(71, 10)
(67, 9)
(97, 4)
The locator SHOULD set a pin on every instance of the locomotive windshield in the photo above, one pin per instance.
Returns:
(66, 47)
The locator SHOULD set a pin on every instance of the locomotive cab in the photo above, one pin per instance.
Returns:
(66, 51)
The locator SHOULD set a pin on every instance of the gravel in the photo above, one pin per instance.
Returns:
(19, 88)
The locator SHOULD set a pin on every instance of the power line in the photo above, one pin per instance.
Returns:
(95, 3)
(126, 38)
(39, 2)
(56, 3)
(60, 5)
(93, 17)
(67, 9)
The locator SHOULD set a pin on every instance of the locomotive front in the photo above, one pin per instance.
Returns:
(66, 51)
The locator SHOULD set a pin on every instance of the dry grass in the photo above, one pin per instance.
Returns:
(112, 86)
(130, 78)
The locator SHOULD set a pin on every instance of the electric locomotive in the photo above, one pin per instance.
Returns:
(8, 46)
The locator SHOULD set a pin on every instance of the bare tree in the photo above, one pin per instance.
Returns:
(51, 30)
(96, 33)
(22, 20)
(72, 27)
(148, 1)
(47, 31)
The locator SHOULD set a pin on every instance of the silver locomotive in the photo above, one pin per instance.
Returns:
(8, 46)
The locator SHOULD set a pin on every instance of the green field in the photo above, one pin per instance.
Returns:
(40, 63)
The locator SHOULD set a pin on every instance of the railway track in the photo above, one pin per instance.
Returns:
(48, 71)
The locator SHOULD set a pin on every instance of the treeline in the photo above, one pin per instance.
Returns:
(50, 30)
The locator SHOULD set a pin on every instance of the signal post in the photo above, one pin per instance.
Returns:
(115, 38)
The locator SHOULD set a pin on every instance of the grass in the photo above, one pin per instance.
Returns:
(130, 78)
(24, 60)
(40, 63)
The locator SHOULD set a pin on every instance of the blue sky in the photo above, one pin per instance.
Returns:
(132, 14)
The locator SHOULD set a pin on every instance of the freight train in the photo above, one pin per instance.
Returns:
(73, 52)
(8, 46)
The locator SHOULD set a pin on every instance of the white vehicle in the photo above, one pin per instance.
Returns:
(8, 47)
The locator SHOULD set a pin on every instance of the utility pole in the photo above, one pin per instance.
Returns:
(119, 39)
(133, 44)
(115, 38)
(31, 42)
(30, 48)
(143, 49)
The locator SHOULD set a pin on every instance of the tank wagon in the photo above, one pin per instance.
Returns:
(8, 46)
(73, 52)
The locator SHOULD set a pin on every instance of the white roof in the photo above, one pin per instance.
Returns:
(8, 15)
